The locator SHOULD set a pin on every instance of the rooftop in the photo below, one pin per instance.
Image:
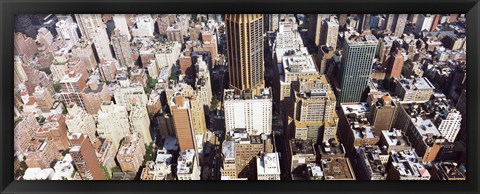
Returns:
(421, 83)
(268, 163)
(371, 156)
(395, 137)
(232, 95)
(353, 38)
(299, 146)
(356, 115)
(228, 149)
(408, 164)
(337, 169)
(129, 144)
(185, 162)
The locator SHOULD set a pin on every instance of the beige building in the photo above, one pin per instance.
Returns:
(113, 122)
(79, 121)
(43, 98)
(140, 121)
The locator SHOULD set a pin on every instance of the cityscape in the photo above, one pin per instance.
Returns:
(240, 97)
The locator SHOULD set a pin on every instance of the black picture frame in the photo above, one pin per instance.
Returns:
(8, 9)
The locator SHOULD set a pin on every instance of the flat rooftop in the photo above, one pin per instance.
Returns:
(421, 83)
(268, 164)
(299, 146)
(337, 169)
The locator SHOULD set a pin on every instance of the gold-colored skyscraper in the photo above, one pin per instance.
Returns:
(245, 51)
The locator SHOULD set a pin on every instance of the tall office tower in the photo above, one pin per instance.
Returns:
(139, 120)
(88, 23)
(365, 25)
(390, 23)
(101, 42)
(94, 30)
(113, 122)
(85, 158)
(182, 122)
(357, 60)
(394, 63)
(401, 21)
(342, 19)
(120, 21)
(248, 111)
(130, 154)
(424, 22)
(292, 60)
(313, 99)
(25, 46)
(329, 34)
(245, 51)
(315, 27)
(436, 20)
(94, 95)
(273, 20)
(24, 132)
(79, 121)
(144, 26)
(67, 31)
(44, 98)
(84, 51)
(122, 49)
(382, 112)
(462, 108)
(72, 85)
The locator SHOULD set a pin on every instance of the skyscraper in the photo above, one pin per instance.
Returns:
(245, 51)
(120, 21)
(182, 121)
(329, 35)
(122, 49)
(424, 22)
(85, 158)
(315, 27)
(400, 24)
(357, 60)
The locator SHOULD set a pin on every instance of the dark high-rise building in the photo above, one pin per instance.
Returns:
(85, 158)
(122, 49)
(382, 110)
(394, 64)
(357, 60)
(245, 51)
